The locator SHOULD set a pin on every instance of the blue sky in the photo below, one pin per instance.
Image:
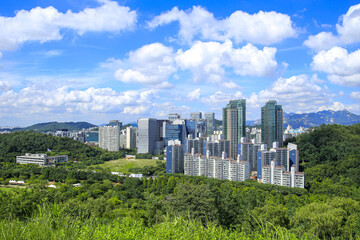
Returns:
(96, 60)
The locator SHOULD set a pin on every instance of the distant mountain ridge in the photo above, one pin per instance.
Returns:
(56, 126)
(343, 117)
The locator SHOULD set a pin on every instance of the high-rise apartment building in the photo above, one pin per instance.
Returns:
(147, 135)
(216, 167)
(131, 133)
(234, 124)
(210, 123)
(272, 123)
(109, 137)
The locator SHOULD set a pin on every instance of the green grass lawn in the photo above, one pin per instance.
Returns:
(10, 188)
(123, 165)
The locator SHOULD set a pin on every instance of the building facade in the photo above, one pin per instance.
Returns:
(41, 159)
(175, 159)
(272, 123)
(109, 138)
(234, 124)
(147, 135)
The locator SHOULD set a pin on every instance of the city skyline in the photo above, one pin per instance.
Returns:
(95, 60)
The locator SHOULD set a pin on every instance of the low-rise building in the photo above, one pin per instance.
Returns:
(41, 159)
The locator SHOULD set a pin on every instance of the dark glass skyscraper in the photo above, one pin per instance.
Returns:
(272, 123)
(234, 124)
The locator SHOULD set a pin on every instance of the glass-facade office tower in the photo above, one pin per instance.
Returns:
(175, 159)
(210, 123)
(147, 134)
(272, 123)
(234, 124)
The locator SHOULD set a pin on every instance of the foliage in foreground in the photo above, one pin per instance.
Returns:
(49, 222)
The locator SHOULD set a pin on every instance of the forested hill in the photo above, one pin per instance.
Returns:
(55, 126)
(330, 155)
(19, 143)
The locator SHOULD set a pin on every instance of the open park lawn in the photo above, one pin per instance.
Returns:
(123, 165)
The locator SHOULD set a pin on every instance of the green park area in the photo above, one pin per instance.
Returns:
(123, 165)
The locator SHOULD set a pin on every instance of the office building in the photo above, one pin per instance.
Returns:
(175, 131)
(109, 137)
(41, 159)
(272, 123)
(147, 135)
(92, 137)
(195, 115)
(293, 157)
(210, 123)
(175, 158)
(234, 124)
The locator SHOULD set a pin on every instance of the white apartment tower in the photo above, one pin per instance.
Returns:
(109, 138)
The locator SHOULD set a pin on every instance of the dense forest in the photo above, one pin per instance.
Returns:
(174, 206)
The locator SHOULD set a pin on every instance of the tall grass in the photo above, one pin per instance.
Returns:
(49, 222)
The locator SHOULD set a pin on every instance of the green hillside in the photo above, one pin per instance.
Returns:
(19, 143)
(175, 206)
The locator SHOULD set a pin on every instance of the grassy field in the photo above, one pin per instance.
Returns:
(123, 165)
(9, 188)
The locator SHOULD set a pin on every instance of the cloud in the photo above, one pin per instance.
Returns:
(162, 109)
(349, 28)
(336, 106)
(150, 65)
(348, 32)
(343, 68)
(322, 41)
(296, 94)
(220, 99)
(355, 95)
(259, 28)
(194, 95)
(44, 24)
(51, 53)
(5, 85)
(231, 85)
(208, 60)
(34, 100)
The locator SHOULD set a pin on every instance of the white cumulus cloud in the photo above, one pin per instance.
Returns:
(322, 41)
(296, 94)
(348, 32)
(31, 100)
(194, 95)
(149, 65)
(208, 60)
(259, 28)
(343, 68)
(44, 24)
(152, 65)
